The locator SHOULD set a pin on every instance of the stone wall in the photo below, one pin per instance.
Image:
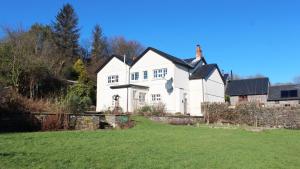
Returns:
(26, 121)
(286, 103)
(251, 98)
(178, 120)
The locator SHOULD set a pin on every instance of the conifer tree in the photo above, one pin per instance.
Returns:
(66, 33)
(98, 44)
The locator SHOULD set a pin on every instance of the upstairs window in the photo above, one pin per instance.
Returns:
(160, 73)
(289, 93)
(135, 76)
(145, 74)
(113, 79)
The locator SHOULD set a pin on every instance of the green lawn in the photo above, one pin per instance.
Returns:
(152, 145)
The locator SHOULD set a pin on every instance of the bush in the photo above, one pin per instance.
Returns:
(70, 73)
(78, 98)
(152, 110)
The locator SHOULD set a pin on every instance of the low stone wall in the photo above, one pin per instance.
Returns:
(178, 120)
(252, 114)
(47, 121)
(98, 121)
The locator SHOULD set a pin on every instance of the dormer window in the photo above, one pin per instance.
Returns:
(160, 73)
(135, 76)
(113, 79)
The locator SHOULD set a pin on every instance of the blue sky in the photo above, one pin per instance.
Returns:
(247, 36)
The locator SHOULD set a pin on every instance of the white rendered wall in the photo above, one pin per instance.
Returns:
(149, 62)
(214, 88)
(205, 90)
(104, 92)
(195, 97)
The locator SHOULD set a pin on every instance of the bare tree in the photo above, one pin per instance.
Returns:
(120, 46)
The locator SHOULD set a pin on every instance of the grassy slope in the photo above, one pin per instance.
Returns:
(152, 145)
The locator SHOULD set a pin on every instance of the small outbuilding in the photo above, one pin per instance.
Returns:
(284, 95)
(248, 90)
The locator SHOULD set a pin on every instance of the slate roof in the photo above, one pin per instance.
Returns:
(200, 73)
(255, 86)
(226, 77)
(165, 55)
(193, 62)
(204, 71)
(275, 92)
(129, 86)
(128, 61)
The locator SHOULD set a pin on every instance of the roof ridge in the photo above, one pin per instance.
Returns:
(285, 85)
(251, 78)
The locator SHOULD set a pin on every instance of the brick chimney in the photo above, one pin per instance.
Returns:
(198, 52)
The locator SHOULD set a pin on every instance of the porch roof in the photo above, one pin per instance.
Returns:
(129, 86)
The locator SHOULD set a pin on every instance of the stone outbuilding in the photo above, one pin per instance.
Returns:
(248, 90)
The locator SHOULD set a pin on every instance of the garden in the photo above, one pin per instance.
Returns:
(152, 145)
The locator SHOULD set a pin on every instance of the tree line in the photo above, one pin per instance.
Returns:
(47, 60)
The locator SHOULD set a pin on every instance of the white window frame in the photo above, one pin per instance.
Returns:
(134, 76)
(155, 97)
(142, 97)
(160, 73)
(113, 79)
(145, 74)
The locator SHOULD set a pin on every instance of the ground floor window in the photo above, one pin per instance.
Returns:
(155, 97)
(142, 97)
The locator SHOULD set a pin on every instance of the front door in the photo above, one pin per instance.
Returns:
(184, 103)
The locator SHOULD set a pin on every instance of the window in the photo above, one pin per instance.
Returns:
(142, 97)
(113, 79)
(135, 76)
(289, 93)
(160, 73)
(145, 74)
(155, 97)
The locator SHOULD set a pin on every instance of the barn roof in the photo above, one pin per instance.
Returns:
(275, 92)
(254, 86)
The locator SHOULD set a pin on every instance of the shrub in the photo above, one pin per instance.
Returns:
(153, 110)
(78, 98)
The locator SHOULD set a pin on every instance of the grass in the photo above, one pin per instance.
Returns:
(152, 145)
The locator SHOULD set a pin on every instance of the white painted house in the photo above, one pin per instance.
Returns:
(157, 77)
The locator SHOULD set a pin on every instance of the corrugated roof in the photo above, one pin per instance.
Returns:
(275, 92)
(255, 86)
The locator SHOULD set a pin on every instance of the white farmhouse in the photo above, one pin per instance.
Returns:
(157, 77)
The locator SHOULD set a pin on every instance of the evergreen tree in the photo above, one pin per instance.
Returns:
(66, 33)
(98, 43)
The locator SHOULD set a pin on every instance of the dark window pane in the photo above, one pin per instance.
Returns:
(293, 93)
(284, 93)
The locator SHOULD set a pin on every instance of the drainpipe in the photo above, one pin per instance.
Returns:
(202, 91)
(126, 78)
